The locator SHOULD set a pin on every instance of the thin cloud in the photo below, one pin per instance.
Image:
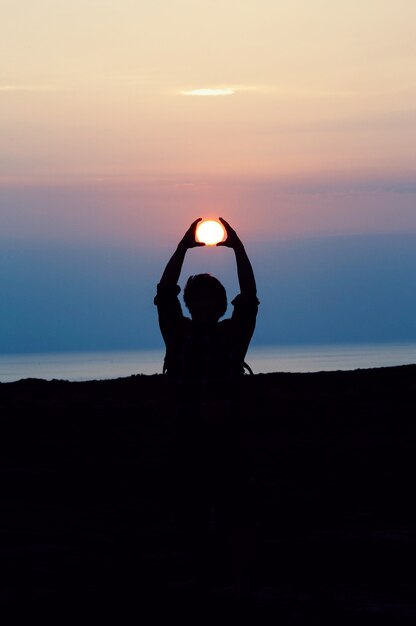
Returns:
(289, 91)
(15, 88)
(229, 90)
(209, 91)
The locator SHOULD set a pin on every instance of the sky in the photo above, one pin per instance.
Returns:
(121, 122)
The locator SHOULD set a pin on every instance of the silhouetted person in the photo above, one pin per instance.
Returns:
(205, 365)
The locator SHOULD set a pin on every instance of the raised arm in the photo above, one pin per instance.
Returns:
(244, 270)
(173, 269)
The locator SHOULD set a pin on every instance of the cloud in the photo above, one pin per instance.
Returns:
(229, 90)
(209, 91)
(13, 88)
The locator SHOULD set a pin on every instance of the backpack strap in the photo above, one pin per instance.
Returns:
(247, 367)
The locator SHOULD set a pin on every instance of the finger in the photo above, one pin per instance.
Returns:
(226, 224)
(192, 229)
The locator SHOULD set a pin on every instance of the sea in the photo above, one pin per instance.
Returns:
(82, 366)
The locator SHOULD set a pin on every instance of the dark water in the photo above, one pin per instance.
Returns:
(77, 366)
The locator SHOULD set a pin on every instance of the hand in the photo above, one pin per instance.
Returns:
(232, 240)
(189, 240)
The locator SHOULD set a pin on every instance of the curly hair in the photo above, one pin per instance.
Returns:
(202, 281)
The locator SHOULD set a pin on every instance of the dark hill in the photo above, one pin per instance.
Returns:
(85, 518)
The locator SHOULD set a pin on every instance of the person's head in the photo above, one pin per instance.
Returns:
(205, 298)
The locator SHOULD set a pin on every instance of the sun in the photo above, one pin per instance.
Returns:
(210, 232)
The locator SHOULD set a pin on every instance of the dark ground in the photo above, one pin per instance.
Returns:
(85, 524)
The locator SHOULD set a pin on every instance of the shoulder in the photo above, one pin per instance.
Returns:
(242, 303)
(242, 299)
(166, 292)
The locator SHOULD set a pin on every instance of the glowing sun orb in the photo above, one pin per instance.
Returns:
(210, 232)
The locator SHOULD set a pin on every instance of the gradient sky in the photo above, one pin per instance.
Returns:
(121, 122)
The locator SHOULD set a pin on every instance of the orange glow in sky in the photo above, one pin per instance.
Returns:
(289, 122)
(210, 232)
